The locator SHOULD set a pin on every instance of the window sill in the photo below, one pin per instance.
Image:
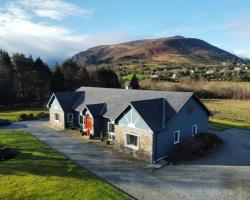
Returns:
(132, 146)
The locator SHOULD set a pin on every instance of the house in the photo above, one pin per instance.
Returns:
(142, 123)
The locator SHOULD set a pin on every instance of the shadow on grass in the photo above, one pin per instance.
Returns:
(43, 165)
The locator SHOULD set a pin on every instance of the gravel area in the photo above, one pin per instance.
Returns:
(224, 174)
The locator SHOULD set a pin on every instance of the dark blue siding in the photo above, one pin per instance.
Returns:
(191, 113)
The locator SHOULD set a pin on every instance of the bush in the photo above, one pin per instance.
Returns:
(7, 153)
(194, 148)
(22, 117)
(41, 115)
(31, 117)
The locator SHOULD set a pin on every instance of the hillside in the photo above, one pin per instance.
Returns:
(172, 50)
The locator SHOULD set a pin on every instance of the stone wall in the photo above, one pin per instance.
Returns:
(145, 149)
(57, 124)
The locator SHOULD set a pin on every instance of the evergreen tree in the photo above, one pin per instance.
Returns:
(43, 80)
(84, 79)
(134, 83)
(70, 71)
(106, 78)
(25, 77)
(58, 81)
(7, 91)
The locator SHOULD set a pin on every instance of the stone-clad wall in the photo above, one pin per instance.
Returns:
(145, 150)
(57, 124)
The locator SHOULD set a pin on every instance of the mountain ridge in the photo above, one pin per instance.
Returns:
(176, 50)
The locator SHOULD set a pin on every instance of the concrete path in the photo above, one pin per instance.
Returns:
(221, 175)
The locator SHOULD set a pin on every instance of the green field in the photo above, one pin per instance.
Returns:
(38, 172)
(129, 77)
(12, 114)
(229, 114)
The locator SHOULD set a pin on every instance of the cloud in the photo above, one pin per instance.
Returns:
(52, 9)
(19, 33)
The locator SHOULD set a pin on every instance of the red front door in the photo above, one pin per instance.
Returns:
(88, 124)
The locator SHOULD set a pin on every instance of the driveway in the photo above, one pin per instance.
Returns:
(221, 175)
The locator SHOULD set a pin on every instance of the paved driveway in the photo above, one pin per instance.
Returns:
(222, 175)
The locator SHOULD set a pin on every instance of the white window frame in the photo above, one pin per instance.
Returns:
(57, 120)
(70, 114)
(129, 145)
(111, 136)
(108, 127)
(178, 141)
(196, 129)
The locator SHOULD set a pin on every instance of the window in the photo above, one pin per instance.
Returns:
(70, 117)
(194, 130)
(132, 141)
(80, 119)
(111, 127)
(112, 136)
(176, 137)
(56, 116)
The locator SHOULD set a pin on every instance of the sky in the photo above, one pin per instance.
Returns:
(57, 29)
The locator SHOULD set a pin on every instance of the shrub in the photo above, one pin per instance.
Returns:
(195, 147)
(42, 115)
(22, 117)
(7, 153)
(31, 117)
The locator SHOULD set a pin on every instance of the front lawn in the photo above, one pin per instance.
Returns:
(39, 172)
(12, 114)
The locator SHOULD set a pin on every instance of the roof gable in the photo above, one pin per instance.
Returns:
(66, 99)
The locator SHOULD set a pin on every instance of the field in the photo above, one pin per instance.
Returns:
(229, 113)
(12, 114)
(129, 77)
(203, 89)
(38, 172)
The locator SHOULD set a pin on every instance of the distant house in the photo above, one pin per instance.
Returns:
(210, 71)
(142, 123)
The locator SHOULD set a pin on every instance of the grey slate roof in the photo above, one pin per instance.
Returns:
(68, 99)
(152, 112)
(117, 99)
(96, 109)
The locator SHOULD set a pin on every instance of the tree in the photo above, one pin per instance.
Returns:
(25, 78)
(58, 81)
(107, 78)
(84, 78)
(43, 80)
(70, 71)
(7, 90)
(134, 83)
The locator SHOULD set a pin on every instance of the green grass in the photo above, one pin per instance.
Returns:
(231, 110)
(129, 76)
(154, 65)
(38, 172)
(12, 114)
(222, 124)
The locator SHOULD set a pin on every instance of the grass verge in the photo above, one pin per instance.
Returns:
(39, 172)
(222, 124)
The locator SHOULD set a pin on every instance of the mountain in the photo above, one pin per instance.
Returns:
(171, 50)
